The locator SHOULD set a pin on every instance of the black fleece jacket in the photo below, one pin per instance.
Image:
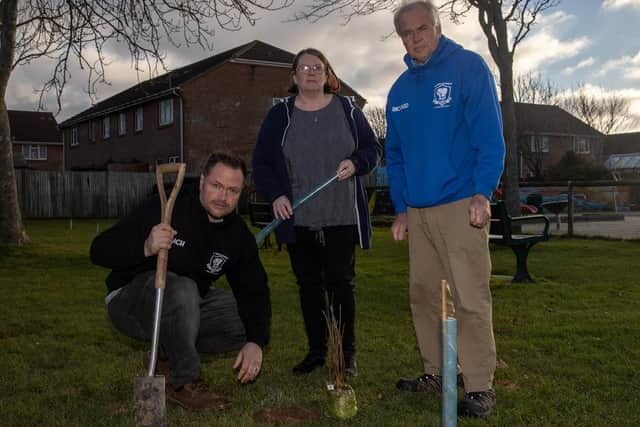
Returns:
(202, 250)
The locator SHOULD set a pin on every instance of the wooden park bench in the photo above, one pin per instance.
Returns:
(506, 230)
(260, 214)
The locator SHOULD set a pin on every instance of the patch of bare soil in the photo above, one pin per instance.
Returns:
(288, 416)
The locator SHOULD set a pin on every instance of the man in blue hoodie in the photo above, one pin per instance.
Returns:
(445, 155)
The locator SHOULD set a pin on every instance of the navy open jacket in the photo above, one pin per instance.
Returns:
(270, 171)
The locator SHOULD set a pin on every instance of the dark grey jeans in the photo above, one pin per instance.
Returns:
(190, 324)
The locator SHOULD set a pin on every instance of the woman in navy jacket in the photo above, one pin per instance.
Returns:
(304, 140)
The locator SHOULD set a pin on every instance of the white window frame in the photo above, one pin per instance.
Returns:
(582, 146)
(74, 136)
(106, 127)
(122, 123)
(539, 144)
(165, 112)
(139, 119)
(34, 152)
(92, 131)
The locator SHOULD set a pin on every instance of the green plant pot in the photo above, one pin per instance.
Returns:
(342, 403)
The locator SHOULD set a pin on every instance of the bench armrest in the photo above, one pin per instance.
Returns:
(533, 218)
(260, 213)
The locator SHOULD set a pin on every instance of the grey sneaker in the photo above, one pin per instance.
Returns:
(477, 404)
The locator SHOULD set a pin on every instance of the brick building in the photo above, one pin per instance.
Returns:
(214, 104)
(36, 140)
(547, 132)
(622, 143)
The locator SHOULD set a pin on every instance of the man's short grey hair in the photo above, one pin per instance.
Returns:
(427, 5)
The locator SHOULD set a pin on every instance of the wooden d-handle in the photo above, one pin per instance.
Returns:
(166, 209)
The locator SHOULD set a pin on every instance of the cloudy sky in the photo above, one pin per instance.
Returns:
(590, 42)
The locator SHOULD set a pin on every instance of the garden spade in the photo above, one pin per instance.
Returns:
(149, 391)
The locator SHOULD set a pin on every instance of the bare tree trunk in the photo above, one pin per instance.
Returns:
(12, 230)
(494, 27)
(511, 176)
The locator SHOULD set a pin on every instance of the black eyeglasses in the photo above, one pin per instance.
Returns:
(308, 69)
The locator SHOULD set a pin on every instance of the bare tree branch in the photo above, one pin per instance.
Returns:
(505, 24)
(378, 120)
(81, 30)
(607, 113)
(532, 88)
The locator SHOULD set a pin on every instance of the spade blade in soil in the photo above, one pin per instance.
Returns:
(149, 402)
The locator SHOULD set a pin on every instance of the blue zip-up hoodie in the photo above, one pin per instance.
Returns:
(270, 171)
(444, 130)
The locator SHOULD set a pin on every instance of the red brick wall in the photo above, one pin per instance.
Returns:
(53, 162)
(558, 147)
(146, 146)
(225, 107)
(223, 110)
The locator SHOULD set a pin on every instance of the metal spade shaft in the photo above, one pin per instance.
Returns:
(276, 222)
(149, 391)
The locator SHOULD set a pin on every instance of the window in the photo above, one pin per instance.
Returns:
(92, 131)
(166, 111)
(106, 127)
(539, 144)
(34, 152)
(582, 146)
(122, 123)
(138, 119)
(173, 159)
(74, 136)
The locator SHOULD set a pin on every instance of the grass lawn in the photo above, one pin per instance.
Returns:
(568, 345)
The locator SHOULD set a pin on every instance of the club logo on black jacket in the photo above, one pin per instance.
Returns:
(216, 262)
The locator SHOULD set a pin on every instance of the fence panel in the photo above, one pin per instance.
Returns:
(126, 190)
(43, 194)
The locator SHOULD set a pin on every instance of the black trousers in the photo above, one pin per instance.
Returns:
(190, 325)
(323, 262)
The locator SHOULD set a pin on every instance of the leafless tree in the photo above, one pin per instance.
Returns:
(377, 120)
(608, 113)
(77, 32)
(533, 88)
(532, 149)
(505, 24)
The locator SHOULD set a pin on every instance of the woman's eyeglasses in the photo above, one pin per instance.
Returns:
(308, 69)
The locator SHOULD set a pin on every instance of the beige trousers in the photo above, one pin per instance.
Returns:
(443, 245)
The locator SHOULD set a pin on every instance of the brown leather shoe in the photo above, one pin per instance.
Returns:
(197, 396)
(163, 367)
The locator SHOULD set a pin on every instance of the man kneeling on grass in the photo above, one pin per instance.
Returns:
(207, 240)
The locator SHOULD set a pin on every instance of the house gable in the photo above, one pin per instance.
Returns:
(547, 132)
(217, 104)
(36, 140)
